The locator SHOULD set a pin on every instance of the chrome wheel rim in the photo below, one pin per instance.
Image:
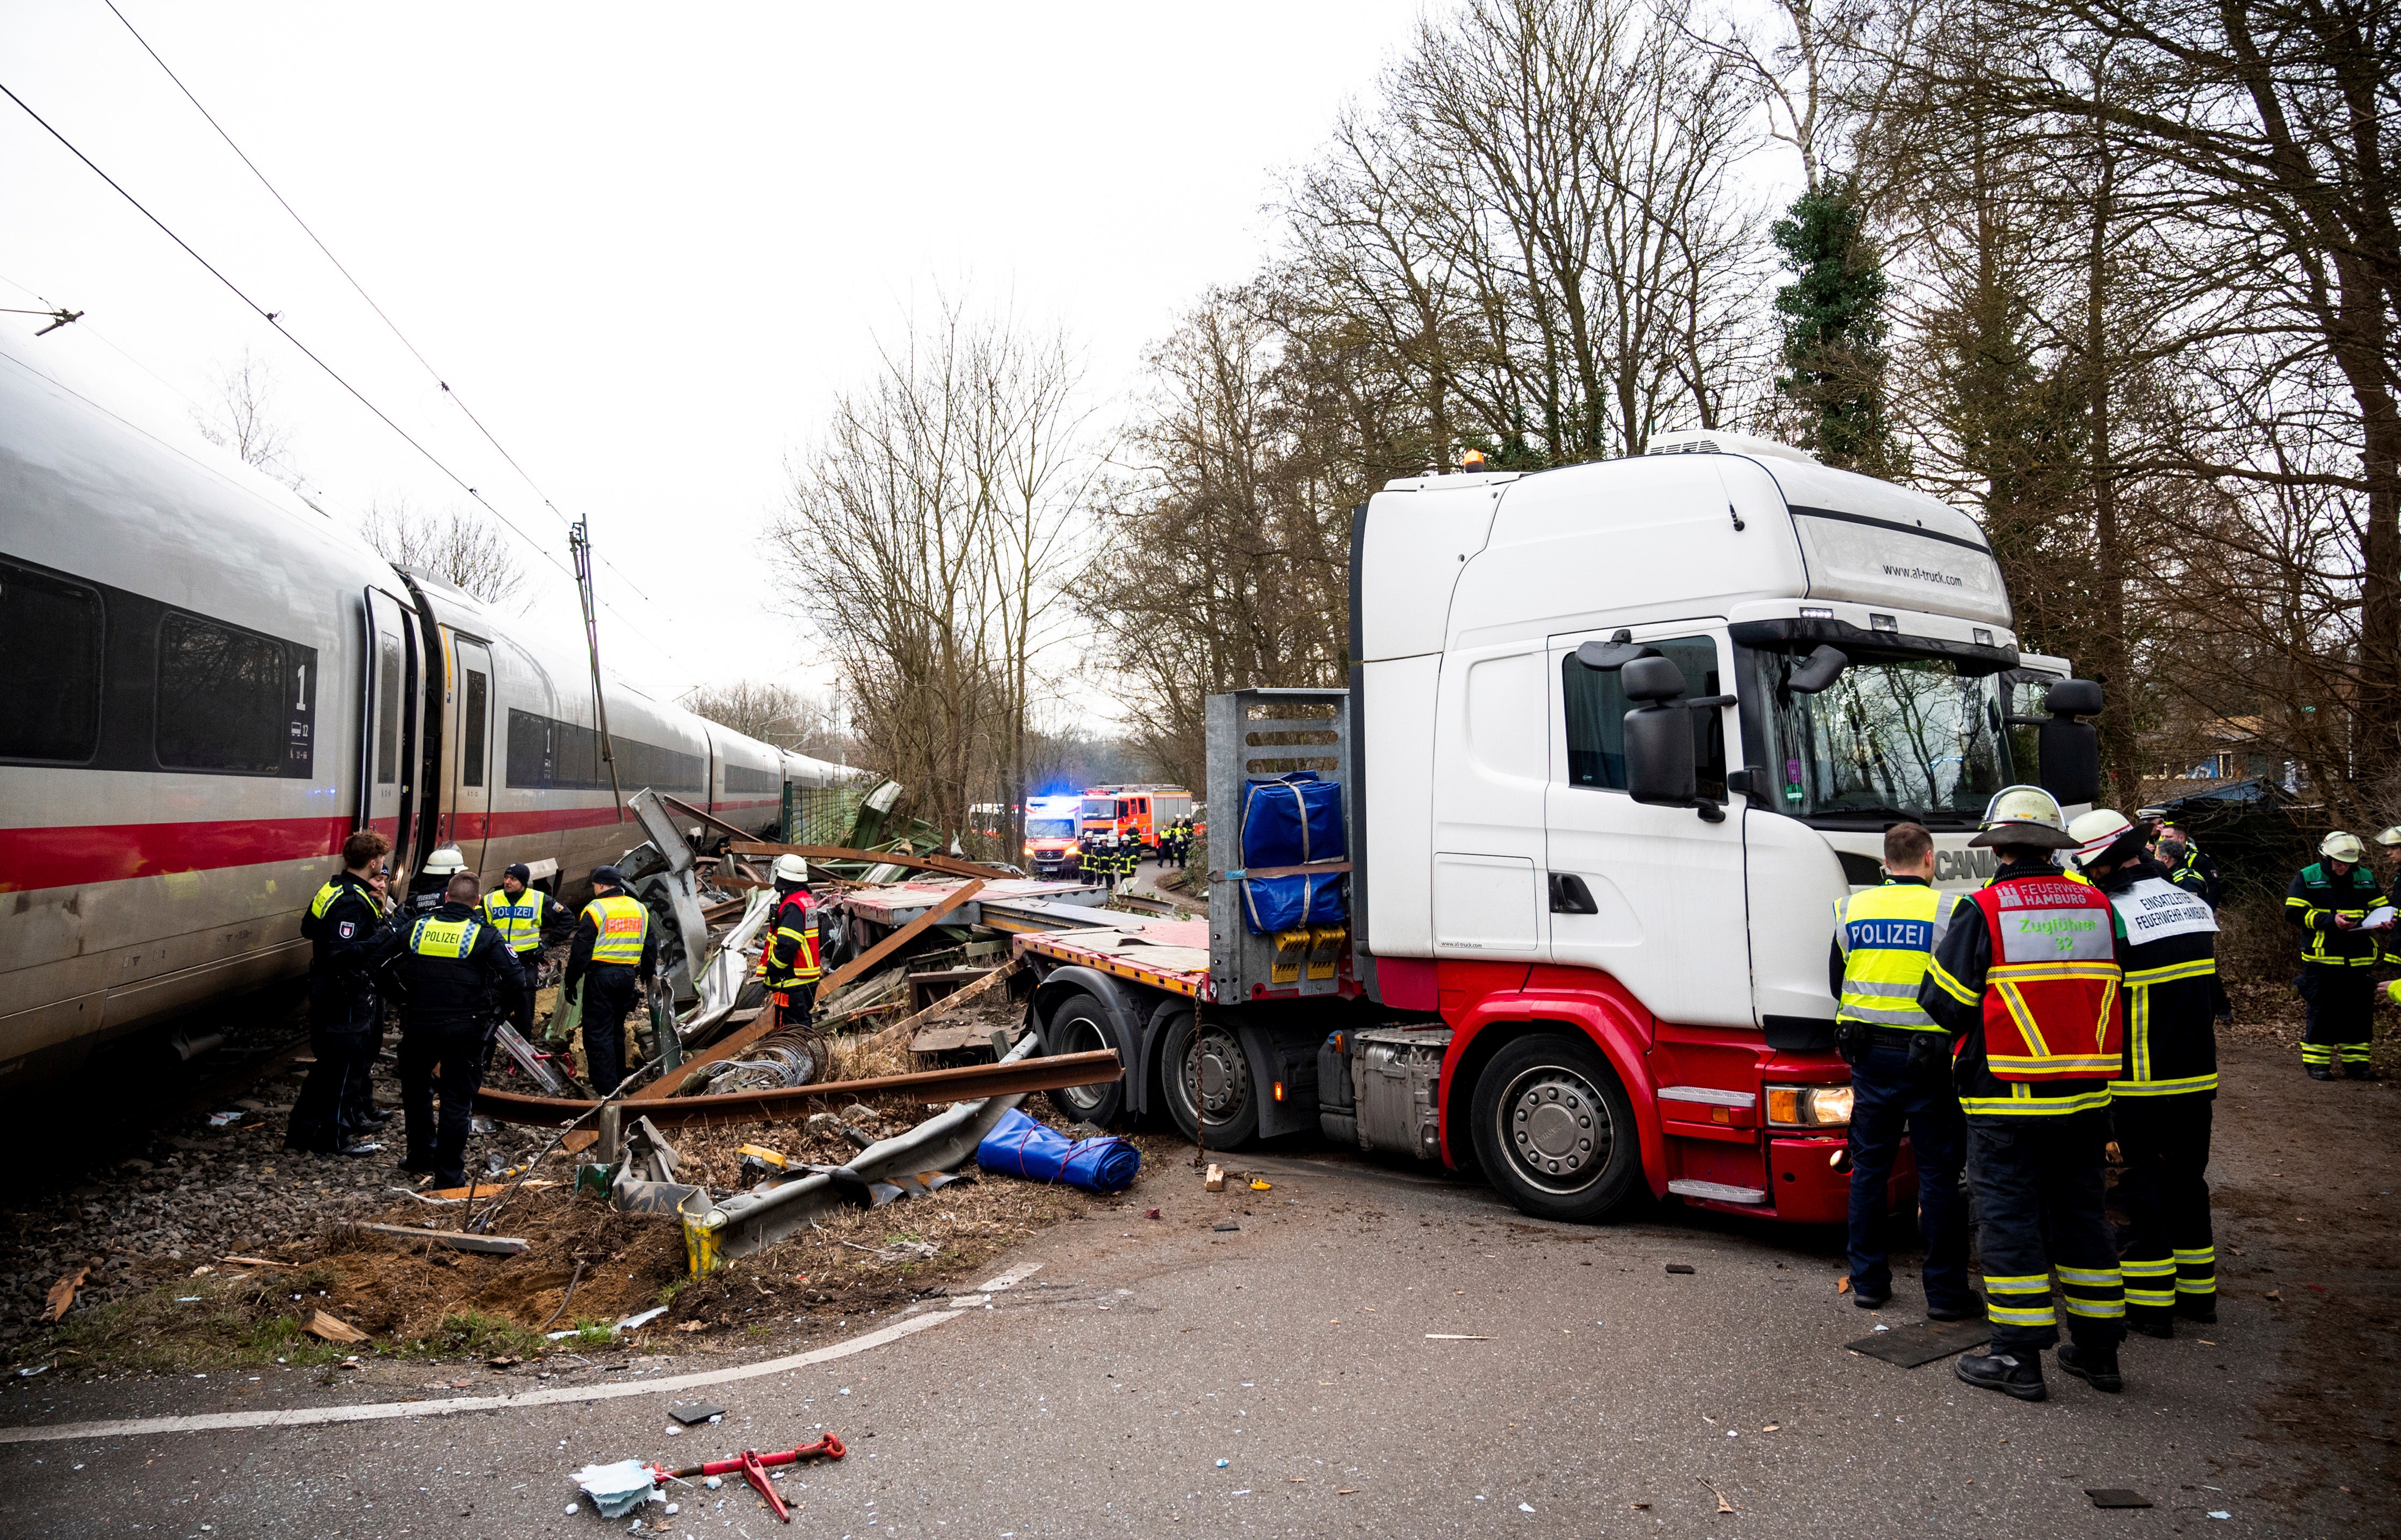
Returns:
(1214, 1061)
(1082, 1035)
(1555, 1128)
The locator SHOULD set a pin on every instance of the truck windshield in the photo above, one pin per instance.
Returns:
(1893, 736)
(1050, 829)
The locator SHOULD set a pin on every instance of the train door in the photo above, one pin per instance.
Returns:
(471, 733)
(388, 725)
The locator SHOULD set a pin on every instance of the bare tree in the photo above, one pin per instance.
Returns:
(456, 546)
(928, 533)
(244, 419)
(805, 721)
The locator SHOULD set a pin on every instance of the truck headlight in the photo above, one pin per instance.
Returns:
(1809, 1106)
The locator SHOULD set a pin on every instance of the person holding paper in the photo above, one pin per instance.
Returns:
(2332, 901)
(2162, 1100)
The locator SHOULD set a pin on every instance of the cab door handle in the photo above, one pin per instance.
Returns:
(1570, 896)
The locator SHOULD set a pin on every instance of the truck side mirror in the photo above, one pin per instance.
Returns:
(2069, 750)
(1820, 670)
(1659, 764)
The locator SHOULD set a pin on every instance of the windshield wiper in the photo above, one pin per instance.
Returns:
(1877, 811)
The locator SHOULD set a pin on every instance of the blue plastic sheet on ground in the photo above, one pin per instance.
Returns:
(1020, 1147)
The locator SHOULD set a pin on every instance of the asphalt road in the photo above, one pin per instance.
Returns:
(1598, 1395)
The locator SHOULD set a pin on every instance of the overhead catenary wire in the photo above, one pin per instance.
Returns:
(273, 319)
(390, 324)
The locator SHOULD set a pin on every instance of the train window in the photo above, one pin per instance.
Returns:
(387, 709)
(475, 713)
(49, 692)
(223, 705)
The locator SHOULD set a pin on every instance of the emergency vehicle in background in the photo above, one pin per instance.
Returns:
(1051, 849)
(1618, 737)
(1135, 813)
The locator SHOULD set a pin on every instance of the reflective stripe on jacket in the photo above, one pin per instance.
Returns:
(2171, 984)
(2317, 897)
(518, 920)
(438, 938)
(1887, 935)
(619, 923)
(791, 960)
(1972, 981)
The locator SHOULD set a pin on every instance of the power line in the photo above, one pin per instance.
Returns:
(390, 325)
(273, 319)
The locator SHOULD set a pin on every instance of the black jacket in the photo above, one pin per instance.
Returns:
(348, 933)
(2314, 900)
(1961, 966)
(579, 954)
(444, 994)
(2171, 990)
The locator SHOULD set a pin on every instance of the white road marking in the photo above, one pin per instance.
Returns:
(388, 1410)
(1010, 1279)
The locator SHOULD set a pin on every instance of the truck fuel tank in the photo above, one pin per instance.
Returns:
(1394, 1077)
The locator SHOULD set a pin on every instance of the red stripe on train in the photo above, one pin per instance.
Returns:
(113, 852)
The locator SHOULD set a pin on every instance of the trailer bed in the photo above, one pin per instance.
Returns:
(1168, 955)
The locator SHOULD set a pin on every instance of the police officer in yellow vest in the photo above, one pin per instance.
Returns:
(456, 972)
(1900, 1075)
(2027, 981)
(615, 948)
(347, 936)
(521, 913)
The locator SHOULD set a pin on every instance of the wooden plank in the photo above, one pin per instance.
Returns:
(497, 1245)
(942, 1007)
(741, 1108)
(951, 864)
(900, 938)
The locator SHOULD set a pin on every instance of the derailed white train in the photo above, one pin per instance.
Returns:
(205, 684)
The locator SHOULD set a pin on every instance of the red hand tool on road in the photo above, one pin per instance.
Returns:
(752, 1467)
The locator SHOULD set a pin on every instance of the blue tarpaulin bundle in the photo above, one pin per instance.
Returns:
(1271, 905)
(1291, 820)
(1022, 1148)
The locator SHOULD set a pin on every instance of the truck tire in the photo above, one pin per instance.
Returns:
(1215, 1054)
(1080, 1024)
(1555, 1129)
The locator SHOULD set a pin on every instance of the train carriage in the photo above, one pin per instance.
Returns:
(210, 682)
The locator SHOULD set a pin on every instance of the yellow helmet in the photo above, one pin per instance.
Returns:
(2341, 846)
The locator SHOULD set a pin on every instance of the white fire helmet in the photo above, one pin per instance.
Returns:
(444, 862)
(2024, 814)
(2341, 846)
(791, 868)
(2095, 833)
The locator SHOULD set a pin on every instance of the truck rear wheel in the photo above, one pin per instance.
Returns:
(1080, 1024)
(1212, 1059)
(1555, 1129)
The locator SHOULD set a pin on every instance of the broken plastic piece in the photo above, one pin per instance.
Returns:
(616, 1489)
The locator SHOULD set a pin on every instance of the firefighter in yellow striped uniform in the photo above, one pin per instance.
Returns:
(792, 963)
(2332, 901)
(2028, 981)
(2162, 1098)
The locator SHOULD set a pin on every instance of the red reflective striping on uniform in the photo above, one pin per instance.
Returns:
(78, 855)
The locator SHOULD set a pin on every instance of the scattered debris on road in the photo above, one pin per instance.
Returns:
(62, 1297)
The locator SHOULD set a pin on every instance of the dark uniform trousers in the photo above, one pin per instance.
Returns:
(345, 1031)
(520, 1004)
(450, 1055)
(2341, 1012)
(795, 1007)
(2171, 1258)
(1886, 1100)
(609, 990)
(2040, 1181)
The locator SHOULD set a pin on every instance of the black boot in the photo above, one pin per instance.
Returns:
(1972, 1311)
(2018, 1374)
(2320, 1072)
(2095, 1365)
(2198, 1307)
(2360, 1072)
(2151, 1323)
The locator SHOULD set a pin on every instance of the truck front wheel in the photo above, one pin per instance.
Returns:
(1080, 1024)
(1554, 1130)
(1210, 1062)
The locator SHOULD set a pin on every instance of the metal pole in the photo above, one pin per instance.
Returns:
(579, 544)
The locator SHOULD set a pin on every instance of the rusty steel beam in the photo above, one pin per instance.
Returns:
(737, 1109)
(950, 864)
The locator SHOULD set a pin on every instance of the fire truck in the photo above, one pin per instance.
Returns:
(1135, 813)
(1616, 738)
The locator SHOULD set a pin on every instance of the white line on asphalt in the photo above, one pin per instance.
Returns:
(386, 1410)
(1010, 1279)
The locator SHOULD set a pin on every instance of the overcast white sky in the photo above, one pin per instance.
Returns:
(645, 244)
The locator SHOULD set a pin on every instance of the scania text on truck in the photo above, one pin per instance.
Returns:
(1617, 736)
